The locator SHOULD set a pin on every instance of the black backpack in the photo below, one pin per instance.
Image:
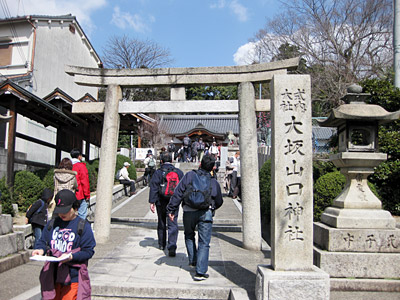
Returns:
(171, 147)
(169, 182)
(36, 212)
(198, 192)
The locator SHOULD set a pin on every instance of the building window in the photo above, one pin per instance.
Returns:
(5, 53)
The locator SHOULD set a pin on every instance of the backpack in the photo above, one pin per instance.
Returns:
(186, 141)
(118, 175)
(195, 146)
(36, 212)
(171, 147)
(198, 193)
(169, 182)
(152, 162)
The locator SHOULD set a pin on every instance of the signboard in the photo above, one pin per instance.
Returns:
(142, 152)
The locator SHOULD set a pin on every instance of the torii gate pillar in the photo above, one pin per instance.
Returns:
(249, 167)
(105, 181)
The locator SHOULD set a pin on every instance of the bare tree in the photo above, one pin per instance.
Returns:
(125, 52)
(342, 41)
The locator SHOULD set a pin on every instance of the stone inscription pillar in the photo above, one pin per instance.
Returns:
(108, 156)
(291, 274)
(292, 193)
(249, 168)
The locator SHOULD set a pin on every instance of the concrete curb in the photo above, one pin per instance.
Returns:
(160, 291)
(365, 285)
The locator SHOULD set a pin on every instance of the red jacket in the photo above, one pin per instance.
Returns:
(83, 191)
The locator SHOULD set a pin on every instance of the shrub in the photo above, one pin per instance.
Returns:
(387, 176)
(386, 180)
(27, 189)
(6, 198)
(93, 168)
(322, 167)
(326, 189)
(265, 190)
(120, 163)
(48, 179)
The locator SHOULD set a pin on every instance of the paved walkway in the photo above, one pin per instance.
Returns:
(131, 265)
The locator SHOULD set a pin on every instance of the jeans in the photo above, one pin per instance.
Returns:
(82, 211)
(37, 232)
(198, 255)
(162, 227)
(233, 183)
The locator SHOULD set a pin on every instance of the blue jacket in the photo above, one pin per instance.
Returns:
(154, 196)
(177, 198)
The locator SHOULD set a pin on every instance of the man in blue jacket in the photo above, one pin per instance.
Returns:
(159, 198)
(192, 217)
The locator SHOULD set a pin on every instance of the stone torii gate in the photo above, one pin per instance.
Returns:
(177, 79)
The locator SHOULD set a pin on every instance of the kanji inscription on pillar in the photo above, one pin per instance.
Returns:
(292, 201)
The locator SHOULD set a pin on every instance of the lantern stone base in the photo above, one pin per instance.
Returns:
(358, 253)
(358, 264)
(270, 284)
(356, 240)
(358, 218)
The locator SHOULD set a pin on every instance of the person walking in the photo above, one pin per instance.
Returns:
(200, 150)
(171, 149)
(71, 239)
(186, 148)
(150, 164)
(214, 150)
(125, 180)
(201, 196)
(234, 176)
(37, 215)
(64, 178)
(82, 177)
(162, 186)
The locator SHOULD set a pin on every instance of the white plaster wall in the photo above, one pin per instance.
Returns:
(57, 46)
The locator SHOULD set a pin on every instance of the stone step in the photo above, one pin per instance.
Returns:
(11, 243)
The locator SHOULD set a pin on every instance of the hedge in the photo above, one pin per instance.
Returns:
(29, 186)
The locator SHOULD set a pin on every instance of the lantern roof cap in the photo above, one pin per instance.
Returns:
(357, 110)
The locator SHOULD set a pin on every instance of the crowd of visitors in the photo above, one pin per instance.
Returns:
(66, 234)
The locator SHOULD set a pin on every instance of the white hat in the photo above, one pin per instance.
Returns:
(126, 164)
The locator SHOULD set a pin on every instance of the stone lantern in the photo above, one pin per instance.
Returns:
(357, 127)
(356, 233)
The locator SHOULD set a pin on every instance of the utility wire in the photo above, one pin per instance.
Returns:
(14, 34)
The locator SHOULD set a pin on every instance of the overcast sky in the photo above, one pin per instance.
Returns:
(197, 33)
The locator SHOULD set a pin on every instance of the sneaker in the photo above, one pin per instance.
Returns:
(200, 277)
(172, 252)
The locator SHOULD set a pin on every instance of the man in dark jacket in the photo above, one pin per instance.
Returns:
(37, 213)
(160, 202)
(202, 218)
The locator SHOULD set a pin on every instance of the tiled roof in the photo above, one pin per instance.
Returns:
(180, 124)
